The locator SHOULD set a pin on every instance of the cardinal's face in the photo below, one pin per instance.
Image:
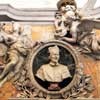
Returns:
(54, 57)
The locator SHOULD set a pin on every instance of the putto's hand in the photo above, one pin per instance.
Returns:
(62, 38)
(57, 37)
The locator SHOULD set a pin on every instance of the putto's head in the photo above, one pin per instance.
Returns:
(62, 3)
(67, 8)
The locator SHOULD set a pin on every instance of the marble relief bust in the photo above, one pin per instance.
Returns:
(53, 72)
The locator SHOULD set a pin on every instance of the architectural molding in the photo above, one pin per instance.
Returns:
(34, 15)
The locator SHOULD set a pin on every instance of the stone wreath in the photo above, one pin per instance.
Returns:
(79, 86)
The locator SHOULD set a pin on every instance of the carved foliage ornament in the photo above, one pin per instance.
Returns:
(78, 86)
(25, 78)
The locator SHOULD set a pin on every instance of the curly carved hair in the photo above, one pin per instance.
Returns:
(65, 2)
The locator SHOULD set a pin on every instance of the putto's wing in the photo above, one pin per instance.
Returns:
(88, 25)
(95, 13)
(88, 10)
(89, 5)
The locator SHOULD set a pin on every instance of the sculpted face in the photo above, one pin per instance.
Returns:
(70, 8)
(8, 28)
(54, 54)
(70, 11)
(54, 57)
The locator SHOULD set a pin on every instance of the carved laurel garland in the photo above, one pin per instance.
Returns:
(78, 87)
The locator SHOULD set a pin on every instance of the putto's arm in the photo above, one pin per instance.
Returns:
(71, 40)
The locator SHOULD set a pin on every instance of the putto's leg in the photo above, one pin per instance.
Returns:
(3, 81)
(13, 61)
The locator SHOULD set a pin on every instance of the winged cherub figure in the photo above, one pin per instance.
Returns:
(75, 25)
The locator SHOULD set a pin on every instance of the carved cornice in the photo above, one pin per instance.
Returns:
(27, 15)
